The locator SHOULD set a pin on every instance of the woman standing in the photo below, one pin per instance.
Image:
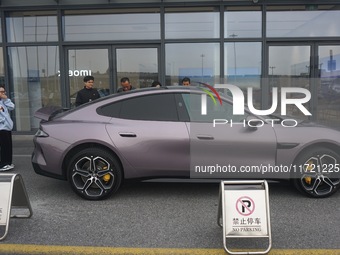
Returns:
(6, 126)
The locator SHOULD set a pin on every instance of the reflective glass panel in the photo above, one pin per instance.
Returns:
(242, 24)
(2, 68)
(0, 32)
(25, 3)
(242, 60)
(197, 24)
(328, 108)
(112, 26)
(35, 82)
(242, 66)
(198, 61)
(32, 27)
(82, 2)
(289, 66)
(303, 23)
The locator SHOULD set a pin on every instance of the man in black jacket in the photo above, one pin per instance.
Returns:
(88, 93)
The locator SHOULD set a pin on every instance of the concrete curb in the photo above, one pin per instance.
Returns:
(22, 138)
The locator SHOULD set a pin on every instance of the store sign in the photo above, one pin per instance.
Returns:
(78, 73)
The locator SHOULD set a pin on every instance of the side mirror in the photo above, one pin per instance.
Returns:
(253, 122)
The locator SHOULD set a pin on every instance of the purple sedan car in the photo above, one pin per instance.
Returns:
(162, 132)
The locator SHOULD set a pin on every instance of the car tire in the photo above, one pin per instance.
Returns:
(316, 172)
(94, 173)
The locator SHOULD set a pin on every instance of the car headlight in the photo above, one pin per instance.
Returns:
(41, 133)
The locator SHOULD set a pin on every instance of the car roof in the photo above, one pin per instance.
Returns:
(149, 89)
(48, 113)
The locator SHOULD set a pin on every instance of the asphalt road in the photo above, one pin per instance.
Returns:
(163, 214)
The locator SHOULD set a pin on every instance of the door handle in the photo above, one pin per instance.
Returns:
(127, 134)
(205, 137)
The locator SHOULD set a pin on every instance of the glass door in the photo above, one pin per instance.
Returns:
(314, 67)
(84, 62)
(140, 65)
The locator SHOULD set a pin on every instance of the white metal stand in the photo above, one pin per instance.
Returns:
(14, 202)
(243, 212)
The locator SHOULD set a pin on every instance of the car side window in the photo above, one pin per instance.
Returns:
(156, 107)
(181, 108)
(110, 110)
(193, 104)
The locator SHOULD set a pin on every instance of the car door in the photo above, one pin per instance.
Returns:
(222, 145)
(149, 137)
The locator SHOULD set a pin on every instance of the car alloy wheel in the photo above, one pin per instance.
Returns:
(317, 172)
(94, 174)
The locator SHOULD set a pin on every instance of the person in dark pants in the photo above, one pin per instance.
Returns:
(6, 126)
(88, 93)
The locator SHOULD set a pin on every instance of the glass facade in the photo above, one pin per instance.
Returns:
(46, 52)
(242, 22)
(191, 23)
(129, 24)
(200, 62)
(289, 66)
(34, 82)
(328, 105)
(303, 21)
(242, 66)
(32, 27)
(2, 68)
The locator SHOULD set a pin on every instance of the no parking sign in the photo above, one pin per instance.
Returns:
(245, 214)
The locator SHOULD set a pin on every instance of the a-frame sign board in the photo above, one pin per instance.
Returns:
(243, 212)
(14, 202)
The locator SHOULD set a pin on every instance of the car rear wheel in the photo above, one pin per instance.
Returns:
(94, 174)
(317, 172)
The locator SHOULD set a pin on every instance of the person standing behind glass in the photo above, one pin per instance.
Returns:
(88, 93)
(156, 84)
(125, 85)
(6, 126)
(186, 81)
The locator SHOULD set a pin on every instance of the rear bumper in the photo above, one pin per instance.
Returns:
(40, 171)
(46, 159)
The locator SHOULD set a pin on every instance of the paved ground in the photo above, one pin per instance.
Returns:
(157, 218)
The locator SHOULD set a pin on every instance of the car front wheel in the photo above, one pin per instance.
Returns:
(317, 172)
(94, 174)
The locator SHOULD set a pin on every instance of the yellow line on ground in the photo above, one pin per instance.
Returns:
(91, 250)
